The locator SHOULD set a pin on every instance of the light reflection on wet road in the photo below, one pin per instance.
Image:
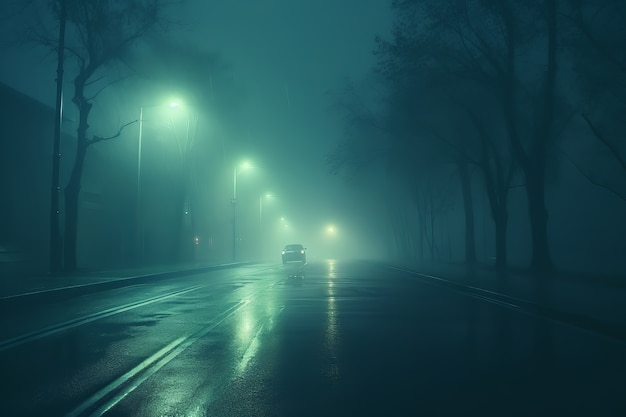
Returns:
(327, 339)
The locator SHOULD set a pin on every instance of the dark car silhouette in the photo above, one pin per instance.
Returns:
(294, 253)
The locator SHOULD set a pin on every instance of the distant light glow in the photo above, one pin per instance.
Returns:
(245, 165)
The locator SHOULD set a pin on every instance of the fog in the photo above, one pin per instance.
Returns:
(343, 126)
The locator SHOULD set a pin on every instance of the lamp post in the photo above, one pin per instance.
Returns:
(261, 197)
(234, 204)
(56, 242)
(186, 224)
(139, 153)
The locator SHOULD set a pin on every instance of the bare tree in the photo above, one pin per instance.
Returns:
(100, 34)
(377, 140)
(509, 49)
(601, 68)
(445, 104)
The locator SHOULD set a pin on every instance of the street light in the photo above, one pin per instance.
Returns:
(284, 225)
(185, 144)
(243, 166)
(261, 197)
(139, 153)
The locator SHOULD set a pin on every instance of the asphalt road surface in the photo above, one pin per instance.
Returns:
(324, 339)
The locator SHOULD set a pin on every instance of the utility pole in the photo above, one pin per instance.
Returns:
(234, 203)
(56, 242)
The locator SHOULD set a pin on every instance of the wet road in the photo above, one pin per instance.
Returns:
(326, 339)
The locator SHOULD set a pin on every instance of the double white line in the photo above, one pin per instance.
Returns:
(56, 328)
(109, 396)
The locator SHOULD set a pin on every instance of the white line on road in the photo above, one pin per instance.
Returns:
(469, 289)
(56, 328)
(132, 379)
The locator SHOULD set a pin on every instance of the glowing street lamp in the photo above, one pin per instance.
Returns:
(172, 104)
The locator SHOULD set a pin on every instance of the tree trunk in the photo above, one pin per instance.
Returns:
(533, 161)
(468, 207)
(433, 243)
(538, 214)
(421, 223)
(535, 170)
(501, 220)
(72, 191)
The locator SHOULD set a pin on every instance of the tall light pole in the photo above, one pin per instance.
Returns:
(138, 203)
(234, 204)
(261, 197)
(188, 222)
(56, 242)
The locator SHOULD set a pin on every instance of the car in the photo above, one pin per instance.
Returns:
(294, 252)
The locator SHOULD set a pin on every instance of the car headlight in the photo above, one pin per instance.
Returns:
(283, 252)
(302, 251)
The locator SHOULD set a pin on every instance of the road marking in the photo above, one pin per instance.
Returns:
(496, 301)
(478, 292)
(613, 331)
(70, 324)
(99, 395)
(131, 380)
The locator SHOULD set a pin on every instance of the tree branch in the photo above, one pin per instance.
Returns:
(600, 47)
(588, 177)
(97, 93)
(97, 139)
(610, 146)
